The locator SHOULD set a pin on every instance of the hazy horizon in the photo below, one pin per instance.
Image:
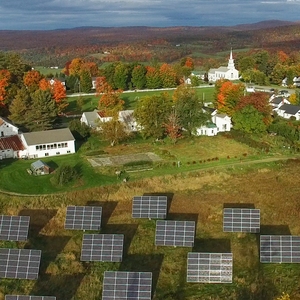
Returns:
(67, 14)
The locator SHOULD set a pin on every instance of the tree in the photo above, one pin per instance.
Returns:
(168, 76)
(79, 130)
(260, 101)
(114, 131)
(153, 78)
(44, 84)
(228, 95)
(64, 175)
(284, 296)
(173, 127)
(152, 113)
(138, 78)
(31, 80)
(59, 95)
(5, 77)
(20, 107)
(249, 120)
(42, 112)
(85, 81)
(121, 76)
(189, 108)
(75, 66)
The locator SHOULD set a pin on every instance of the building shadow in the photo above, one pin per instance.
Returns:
(128, 230)
(144, 263)
(108, 208)
(212, 245)
(169, 196)
(39, 218)
(239, 205)
(61, 286)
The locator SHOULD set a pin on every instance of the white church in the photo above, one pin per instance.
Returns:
(229, 72)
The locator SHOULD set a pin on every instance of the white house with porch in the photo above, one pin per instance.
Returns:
(41, 144)
(223, 72)
(7, 128)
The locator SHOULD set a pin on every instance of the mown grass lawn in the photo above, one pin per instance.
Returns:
(14, 177)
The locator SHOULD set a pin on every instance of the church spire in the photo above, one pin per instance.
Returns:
(230, 65)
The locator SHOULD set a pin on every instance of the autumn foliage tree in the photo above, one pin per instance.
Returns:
(5, 76)
(173, 127)
(32, 79)
(227, 96)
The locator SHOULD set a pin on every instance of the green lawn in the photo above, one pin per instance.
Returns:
(91, 102)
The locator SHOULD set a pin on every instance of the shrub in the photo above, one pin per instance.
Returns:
(64, 174)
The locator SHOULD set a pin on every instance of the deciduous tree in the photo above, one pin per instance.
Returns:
(139, 77)
(153, 78)
(152, 113)
(173, 127)
(31, 80)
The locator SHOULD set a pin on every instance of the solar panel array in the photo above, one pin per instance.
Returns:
(241, 220)
(127, 285)
(209, 267)
(19, 263)
(83, 217)
(279, 249)
(102, 247)
(175, 233)
(14, 228)
(152, 207)
(23, 297)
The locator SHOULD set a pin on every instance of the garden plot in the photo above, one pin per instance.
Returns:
(123, 159)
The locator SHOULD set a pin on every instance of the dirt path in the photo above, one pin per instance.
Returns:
(236, 163)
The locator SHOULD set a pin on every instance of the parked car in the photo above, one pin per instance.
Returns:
(284, 93)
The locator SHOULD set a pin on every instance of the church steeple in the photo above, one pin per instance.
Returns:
(230, 65)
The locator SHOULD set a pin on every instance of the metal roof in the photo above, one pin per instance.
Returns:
(49, 136)
(38, 165)
(290, 109)
(11, 142)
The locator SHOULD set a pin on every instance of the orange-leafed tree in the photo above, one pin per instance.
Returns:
(228, 95)
(44, 84)
(92, 67)
(110, 100)
(5, 76)
(168, 76)
(282, 57)
(75, 66)
(31, 80)
(58, 92)
(173, 127)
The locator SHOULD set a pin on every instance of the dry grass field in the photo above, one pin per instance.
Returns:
(200, 196)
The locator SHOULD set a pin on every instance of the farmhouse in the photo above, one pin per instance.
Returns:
(47, 143)
(218, 123)
(94, 118)
(288, 110)
(7, 128)
(276, 102)
(229, 72)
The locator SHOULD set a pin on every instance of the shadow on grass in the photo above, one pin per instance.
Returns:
(169, 196)
(53, 165)
(144, 263)
(129, 230)
(6, 162)
(39, 218)
(183, 217)
(238, 205)
(275, 229)
(108, 208)
(61, 286)
(212, 245)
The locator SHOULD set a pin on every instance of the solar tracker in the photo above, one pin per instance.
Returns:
(83, 217)
(19, 263)
(14, 228)
(279, 249)
(175, 233)
(209, 267)
(241, 220)
(23, 297)
(127, 285)
(152, 207)
(102, 247)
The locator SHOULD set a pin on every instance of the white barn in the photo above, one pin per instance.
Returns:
(229, 72)
(7, 128)
(41, 144)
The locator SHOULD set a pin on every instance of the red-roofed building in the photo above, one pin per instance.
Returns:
(10, 146)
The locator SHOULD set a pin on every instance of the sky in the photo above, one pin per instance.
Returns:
(57, 14)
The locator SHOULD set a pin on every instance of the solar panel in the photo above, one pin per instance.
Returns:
(241, 220)
(102, 247)
(279, 249)
(152, 207)
(23, 297)
(209, 267)
(19, 263)
(83, 217)
(175, 233)
(127, 285)
(14, 228)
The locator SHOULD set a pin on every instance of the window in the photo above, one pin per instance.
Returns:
(37, 147)
(47, 154)
(48, 147)
(68, 151)
(57, 153)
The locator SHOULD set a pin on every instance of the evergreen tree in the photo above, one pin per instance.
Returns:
(85, 81)
(139, 77)
(42, 112)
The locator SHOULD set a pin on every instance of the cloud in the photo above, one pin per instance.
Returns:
(52, 14)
